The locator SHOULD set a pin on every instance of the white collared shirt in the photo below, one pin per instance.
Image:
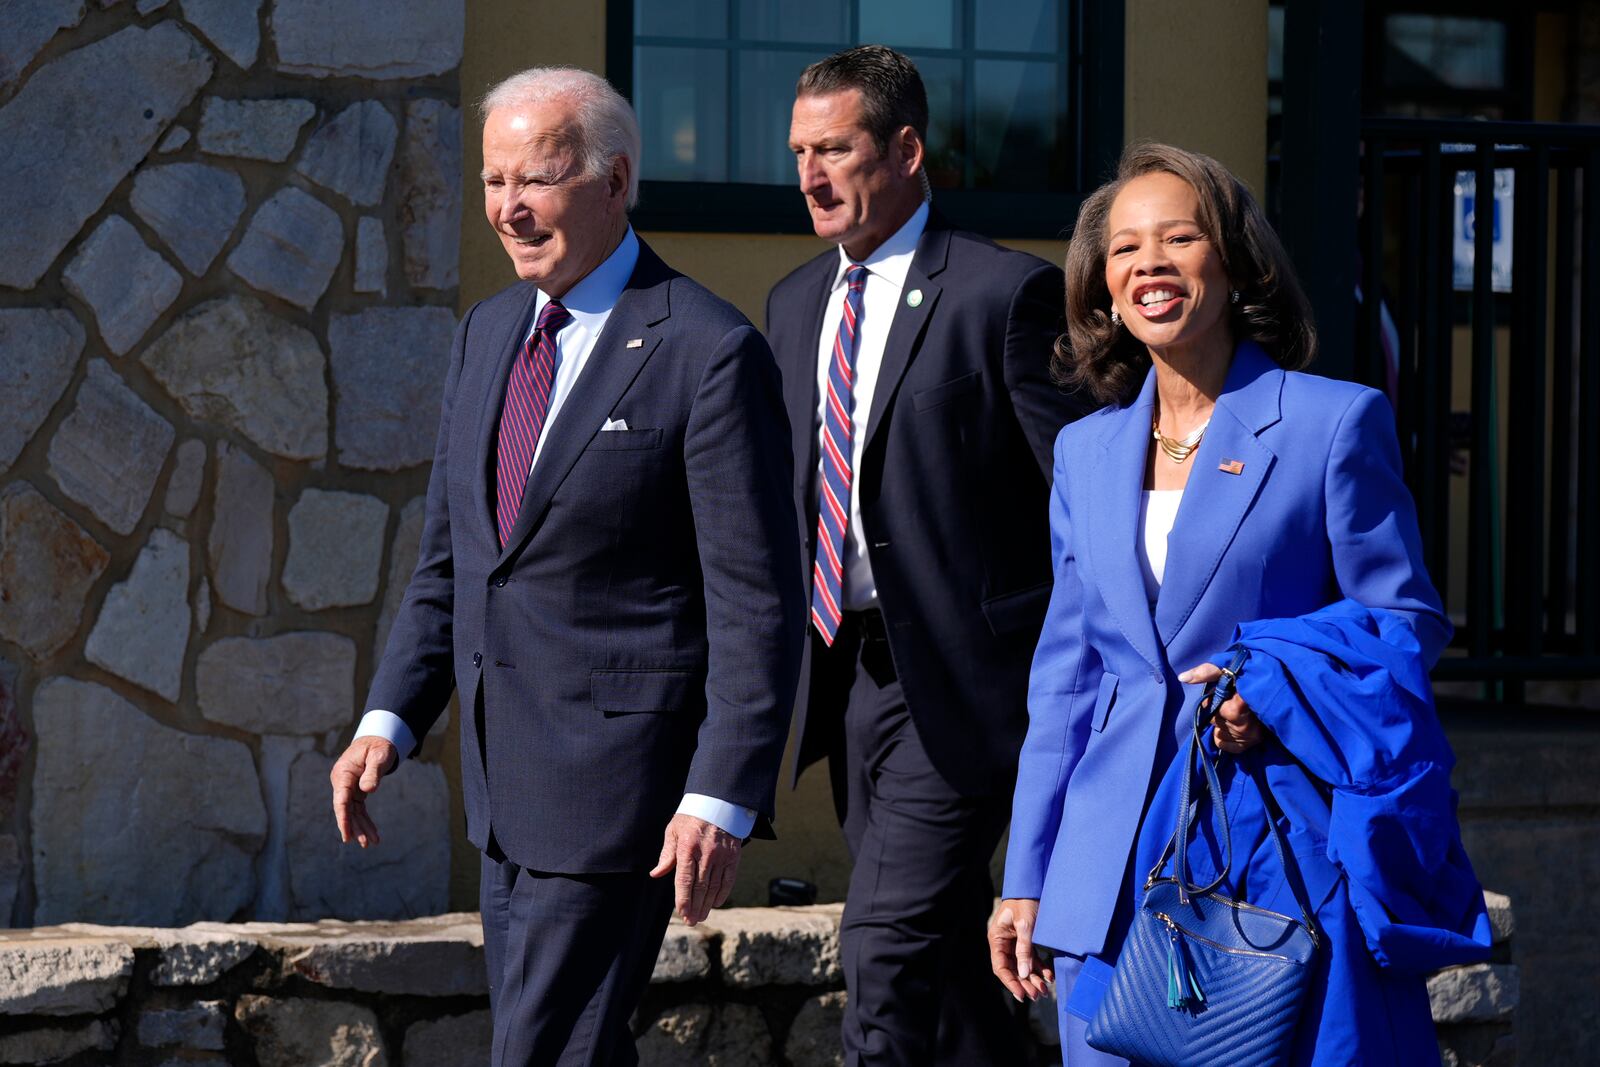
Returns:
(589, 303)
(886, 278)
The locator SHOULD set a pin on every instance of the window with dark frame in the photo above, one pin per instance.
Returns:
(1430, 59)
(1012, 146)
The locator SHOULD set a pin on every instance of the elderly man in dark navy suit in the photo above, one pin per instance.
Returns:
(915, 363)
(608, 575)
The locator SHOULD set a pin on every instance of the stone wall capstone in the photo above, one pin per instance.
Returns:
(414, 994)
(218, 397)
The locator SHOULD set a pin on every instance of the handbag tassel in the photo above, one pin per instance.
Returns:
(1183, 990)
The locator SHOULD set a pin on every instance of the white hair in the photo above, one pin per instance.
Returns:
(606, 125)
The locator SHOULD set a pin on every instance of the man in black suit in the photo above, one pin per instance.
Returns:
(607, 574)
(915, 364)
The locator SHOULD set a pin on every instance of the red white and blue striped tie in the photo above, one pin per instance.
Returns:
(833, 505)
(522, 416)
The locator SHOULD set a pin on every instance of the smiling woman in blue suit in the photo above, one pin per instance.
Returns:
(1218, 486)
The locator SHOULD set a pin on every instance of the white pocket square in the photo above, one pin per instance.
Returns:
(614, 424)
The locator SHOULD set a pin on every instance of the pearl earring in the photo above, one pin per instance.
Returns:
(1234, 298)
(1116, 320)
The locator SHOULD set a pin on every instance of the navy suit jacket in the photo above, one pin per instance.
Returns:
(1317, 512)
(638, 635)
(954, 482)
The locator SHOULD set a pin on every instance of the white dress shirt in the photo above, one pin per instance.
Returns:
(589, 303)
(886, 278)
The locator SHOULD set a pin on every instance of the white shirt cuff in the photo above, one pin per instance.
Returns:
(390, 727)
(719, 813)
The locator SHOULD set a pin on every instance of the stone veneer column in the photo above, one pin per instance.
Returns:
(227, 290)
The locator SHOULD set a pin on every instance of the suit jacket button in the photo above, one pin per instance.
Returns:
(477, 659)
(500, 583)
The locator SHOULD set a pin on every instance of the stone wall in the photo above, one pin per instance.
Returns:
(1530, 818)
(228, 270)
(750, 988)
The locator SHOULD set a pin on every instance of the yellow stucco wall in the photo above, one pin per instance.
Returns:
(503, 37)
(1196, 75)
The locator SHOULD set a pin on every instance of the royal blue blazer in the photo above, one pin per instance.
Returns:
(1316, 512)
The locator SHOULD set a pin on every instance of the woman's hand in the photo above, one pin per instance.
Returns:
(1235, 727)
(1011, 950)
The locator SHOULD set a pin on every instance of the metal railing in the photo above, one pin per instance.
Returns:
(1496, 371)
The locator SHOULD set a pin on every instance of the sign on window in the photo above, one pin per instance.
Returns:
(1496, 212)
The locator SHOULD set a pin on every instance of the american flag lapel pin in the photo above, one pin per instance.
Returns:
(636, 342)
(1231, 466)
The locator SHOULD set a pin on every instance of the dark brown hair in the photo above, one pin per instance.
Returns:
(1272, 311)
(892, 93)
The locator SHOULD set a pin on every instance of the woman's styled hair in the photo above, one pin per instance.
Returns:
(1107, 360)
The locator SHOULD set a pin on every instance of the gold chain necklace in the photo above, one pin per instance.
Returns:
(1176, 450)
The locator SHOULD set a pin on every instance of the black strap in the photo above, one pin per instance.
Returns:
(1216, 695)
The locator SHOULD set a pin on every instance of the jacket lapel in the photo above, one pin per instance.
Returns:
(905, 333)
(503, 344)
(800, 397)
(1215, 501)
(1116, 482)
(611, 368)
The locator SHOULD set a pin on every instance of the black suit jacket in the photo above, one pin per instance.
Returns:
(954, 484)
(638, 636)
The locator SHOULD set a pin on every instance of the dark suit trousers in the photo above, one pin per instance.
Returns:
(568, 958)
(913, 945)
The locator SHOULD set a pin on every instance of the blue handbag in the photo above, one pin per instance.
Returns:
(1203, 978)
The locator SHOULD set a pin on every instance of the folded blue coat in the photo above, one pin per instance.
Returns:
(1360, 767)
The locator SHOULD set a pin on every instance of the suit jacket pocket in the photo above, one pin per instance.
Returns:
(643, 691)
(945, 392)
(1105, 700)
(622, 440)
(1023, 609)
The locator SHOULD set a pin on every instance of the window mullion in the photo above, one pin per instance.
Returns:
(1072, 93)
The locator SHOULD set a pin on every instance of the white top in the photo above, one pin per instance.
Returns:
(1157, 513)
(590, 303)
(886, 277)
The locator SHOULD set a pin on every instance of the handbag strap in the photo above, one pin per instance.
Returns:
(1217, 694)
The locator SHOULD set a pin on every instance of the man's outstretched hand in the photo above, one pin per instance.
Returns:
(354, 775)
(707, 861)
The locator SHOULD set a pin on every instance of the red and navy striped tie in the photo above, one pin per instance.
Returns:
(833, 505)
(523, 414)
